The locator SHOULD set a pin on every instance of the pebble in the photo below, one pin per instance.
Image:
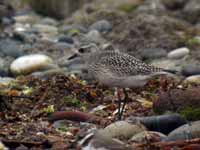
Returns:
(152, 53)
(178, 53)
(30, 63)
(93, 37)
(191, 69)
(5, 80)
(195, 79)
(49, 21)
(101, 26)
(123, 129)
(45, 28)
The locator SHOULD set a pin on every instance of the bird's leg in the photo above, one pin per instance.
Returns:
(125, 101)
(119, 103)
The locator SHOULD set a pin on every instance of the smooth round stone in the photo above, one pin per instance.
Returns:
(185, 132)
(93, 36)
(5, 80)
(45, 28)
(178, 53)
(30, 63)
(192, 69)
(141, 137)
(101, 26)
(193, 79)
(123, 129)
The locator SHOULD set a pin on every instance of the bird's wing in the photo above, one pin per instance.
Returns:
(126, 65)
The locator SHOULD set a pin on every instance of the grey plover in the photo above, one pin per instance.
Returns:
(120, 70)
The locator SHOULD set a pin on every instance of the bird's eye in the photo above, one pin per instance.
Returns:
(81, 50)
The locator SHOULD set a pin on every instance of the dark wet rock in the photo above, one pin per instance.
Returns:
(185, 132)
(191, 11)
(174, 4)
(177, 99)
(152, 136)
(24, 37)
(162, 123)
(62, 46)
(152, 53)
(123, 129)
(10, 48)
(101, 26)
(66, 39)
(191, 69)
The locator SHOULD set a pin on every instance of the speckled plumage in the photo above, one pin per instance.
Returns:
(120, 64)
(120, 69)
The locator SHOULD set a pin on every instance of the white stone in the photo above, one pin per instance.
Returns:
(2, 146)
(193, 79)
(30, 63)
(178, 53)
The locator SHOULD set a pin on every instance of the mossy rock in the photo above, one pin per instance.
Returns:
(126, 7)
(191, 113)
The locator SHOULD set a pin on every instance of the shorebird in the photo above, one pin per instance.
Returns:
(120, 70)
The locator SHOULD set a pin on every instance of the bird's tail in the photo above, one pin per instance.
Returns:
(171, 71)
